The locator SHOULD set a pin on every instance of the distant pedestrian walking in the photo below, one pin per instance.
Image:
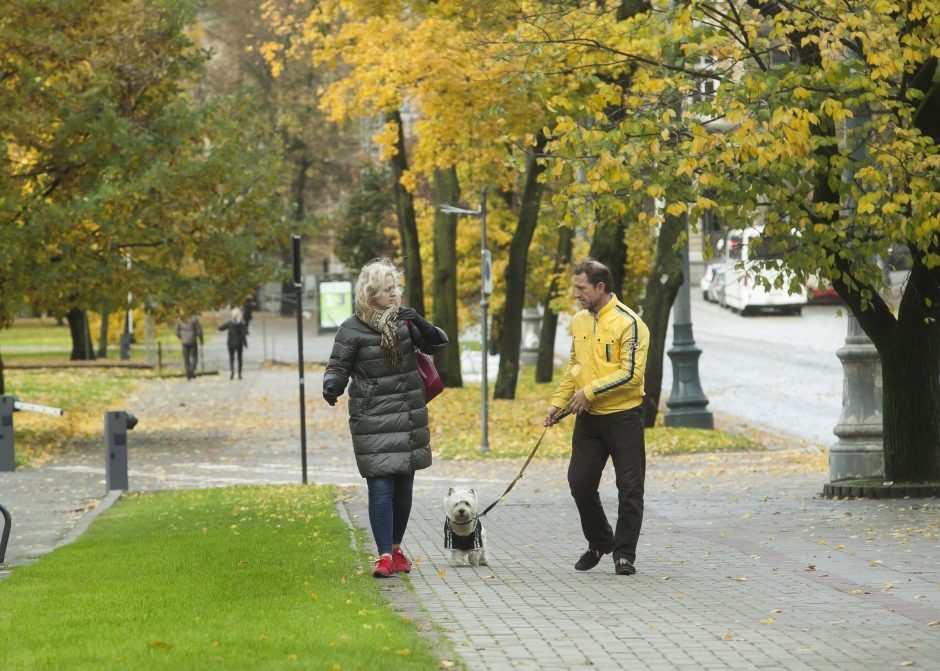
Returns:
(189, 330)
(603, 384)
(237, 329)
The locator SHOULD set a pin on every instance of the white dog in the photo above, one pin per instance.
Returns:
(463, 530)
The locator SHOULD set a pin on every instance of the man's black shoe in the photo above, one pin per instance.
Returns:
(624, 566)
(588, 560)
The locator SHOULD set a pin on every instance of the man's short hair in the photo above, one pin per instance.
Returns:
(596, 272)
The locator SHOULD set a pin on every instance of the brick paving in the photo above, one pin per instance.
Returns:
(740, 564)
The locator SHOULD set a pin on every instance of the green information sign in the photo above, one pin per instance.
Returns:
(336, 303)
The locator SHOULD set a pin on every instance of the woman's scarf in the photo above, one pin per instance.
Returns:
(386, 324)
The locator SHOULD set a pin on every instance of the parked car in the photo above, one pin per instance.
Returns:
(821, 292)
(712, 279)
(748, 251)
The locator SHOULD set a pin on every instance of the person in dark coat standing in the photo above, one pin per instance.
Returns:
(374, 353)
(237, 341)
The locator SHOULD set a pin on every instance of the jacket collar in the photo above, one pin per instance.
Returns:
(607, 308)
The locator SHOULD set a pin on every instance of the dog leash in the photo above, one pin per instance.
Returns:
(557, 418)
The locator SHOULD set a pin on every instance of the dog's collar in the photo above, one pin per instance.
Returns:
(472, 541)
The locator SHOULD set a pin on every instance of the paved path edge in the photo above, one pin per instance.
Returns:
(85, 520)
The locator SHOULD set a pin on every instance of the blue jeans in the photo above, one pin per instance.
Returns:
(389, 509)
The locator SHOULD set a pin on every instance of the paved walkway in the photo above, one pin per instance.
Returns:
(740, 566)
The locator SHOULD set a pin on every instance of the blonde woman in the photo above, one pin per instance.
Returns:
(374, 352)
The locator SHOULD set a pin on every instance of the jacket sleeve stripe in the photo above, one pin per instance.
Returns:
(629, 376)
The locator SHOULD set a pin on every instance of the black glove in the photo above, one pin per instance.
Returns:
(412, 315)
(330, 392)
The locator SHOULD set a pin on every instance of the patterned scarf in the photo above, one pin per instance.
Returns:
(386, 324)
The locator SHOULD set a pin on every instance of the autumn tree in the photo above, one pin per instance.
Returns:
(117, 181)
(321, 160)
(472, 126)
(819, 122)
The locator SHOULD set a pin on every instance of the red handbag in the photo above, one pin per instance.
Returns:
(432, 381)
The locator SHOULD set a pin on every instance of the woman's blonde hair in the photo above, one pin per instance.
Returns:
(237, 315)
(371, 282)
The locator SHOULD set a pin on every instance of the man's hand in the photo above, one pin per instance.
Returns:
(550, 415)
(578, 402)
(329, 398)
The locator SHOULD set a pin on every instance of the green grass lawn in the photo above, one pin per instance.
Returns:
(515, 425)
(36, 332)
(237, 578)
(53, 343)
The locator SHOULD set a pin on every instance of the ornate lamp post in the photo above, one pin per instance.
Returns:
(687, 400)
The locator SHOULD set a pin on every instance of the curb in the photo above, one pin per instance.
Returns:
(85, 521)
(835, 490)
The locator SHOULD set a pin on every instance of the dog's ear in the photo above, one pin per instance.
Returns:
(450, 491)
(473, 492)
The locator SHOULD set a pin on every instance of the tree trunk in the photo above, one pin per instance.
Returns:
(407, 223)
(661, 290)
(608, 247)
(494, 336)
(515, 275)
(288, 293)
(545, 364)
(2, 383)
(910, 371)
(444, 290)
(103, 333)
(909, 346)
(81, 335)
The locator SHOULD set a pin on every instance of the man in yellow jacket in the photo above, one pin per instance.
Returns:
(603, 386)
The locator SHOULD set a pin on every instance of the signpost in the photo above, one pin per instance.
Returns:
(486, 289)
(299, 289)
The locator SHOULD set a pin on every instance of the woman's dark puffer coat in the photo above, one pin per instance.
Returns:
(388, 417)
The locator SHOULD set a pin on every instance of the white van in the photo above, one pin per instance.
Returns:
(745, 249)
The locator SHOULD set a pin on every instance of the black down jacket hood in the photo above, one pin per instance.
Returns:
(388, 417)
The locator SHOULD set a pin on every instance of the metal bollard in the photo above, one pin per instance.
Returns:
(116, 426)
(7, 454)
(7, 525)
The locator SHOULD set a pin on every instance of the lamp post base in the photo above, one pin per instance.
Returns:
(687, 401)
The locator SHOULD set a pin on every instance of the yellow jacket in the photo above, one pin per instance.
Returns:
(608, 359)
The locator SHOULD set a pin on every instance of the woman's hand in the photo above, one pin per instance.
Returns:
(410, 314)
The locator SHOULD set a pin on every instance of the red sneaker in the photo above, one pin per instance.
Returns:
(400, 561)
(383, 567)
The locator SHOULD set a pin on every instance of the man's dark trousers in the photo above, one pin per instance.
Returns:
(619, 436)
(190, 359)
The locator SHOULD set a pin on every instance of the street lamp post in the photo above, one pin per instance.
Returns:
(687, 401)
(486, 288)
